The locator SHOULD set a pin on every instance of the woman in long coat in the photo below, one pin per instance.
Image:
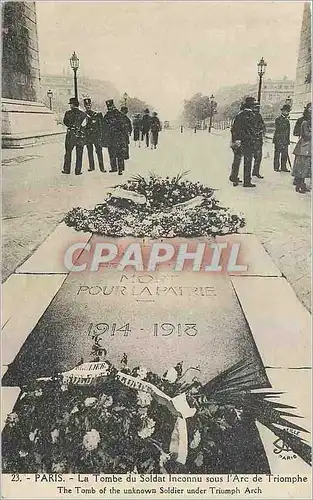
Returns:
(302, 164)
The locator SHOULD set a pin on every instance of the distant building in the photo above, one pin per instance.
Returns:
(62, 89)
(25, 120)
(303, 85)
(275, 91)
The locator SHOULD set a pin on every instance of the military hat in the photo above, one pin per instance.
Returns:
(87, 100)
(147, 111)
(286, 107)
(124, 109)
(74, 100)
(109, 103)
(249, 101)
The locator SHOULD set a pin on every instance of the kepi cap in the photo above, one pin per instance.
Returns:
(74, 100)
(286, 107)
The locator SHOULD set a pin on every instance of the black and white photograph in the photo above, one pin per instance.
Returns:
(156, 249)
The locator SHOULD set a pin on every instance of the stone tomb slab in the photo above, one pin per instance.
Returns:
(158, 319)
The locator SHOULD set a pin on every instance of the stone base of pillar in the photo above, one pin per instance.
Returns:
(27, 123)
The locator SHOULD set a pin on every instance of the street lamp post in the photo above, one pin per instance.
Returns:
(211, 112)
(74, 62)
(261, 71)
(50, 95)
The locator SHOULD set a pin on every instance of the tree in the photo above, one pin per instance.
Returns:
(136, 105)
(197, 109)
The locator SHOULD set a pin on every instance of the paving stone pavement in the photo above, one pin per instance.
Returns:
(36, 197)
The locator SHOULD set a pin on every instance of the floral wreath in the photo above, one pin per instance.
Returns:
(98, 418)
(157, 207)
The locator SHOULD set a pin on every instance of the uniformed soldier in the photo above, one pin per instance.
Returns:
(75, 121)
(260, 130)
(155, 129)
(93, 135)
(281, 140)
(136, 128)
(145, 126)
(128, 128)
(114, 137)
(243, 136)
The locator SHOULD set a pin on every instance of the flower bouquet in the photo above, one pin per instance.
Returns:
(99, 418)
(157, 207)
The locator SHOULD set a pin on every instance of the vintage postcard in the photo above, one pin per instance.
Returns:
(156, 245)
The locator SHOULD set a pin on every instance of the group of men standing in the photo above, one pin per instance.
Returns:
(92, 129)
(248, 132)
(147, 128)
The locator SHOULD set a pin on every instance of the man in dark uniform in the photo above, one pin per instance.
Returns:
(145, 126)
(114, 137)
(93, 135)
(136, 128)
(155, 129)
(128, 128)
(237, 150)
(75, 121)
(258, 141)
(243, 135)
(281, 140)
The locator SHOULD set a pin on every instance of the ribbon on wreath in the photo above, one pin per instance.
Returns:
(178, 406)
(88, 373)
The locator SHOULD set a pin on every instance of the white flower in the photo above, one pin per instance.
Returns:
(142, 372)
(58, 467)
(38, 393)
(164, 457)
(90, 401)
(199, 460)
(196, 440)
(225, 230)
(171, 375)
(74, 410)
(148, 428)
(106, 401)
(23, 453)
(64, 387)
(12, 419)
(91, 440)
(54, 435)
(170, 234)
(33, 436)
(144, 398)
(238, 413)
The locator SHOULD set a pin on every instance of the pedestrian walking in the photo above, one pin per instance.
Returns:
(136, 128)
(243, 135)
(302, 164)
(114, 137)
(281, 140)
(128, 128)
(75, 121)
(260, 130)
(93, 135)
(155, 129)
(237, 150)
(297, 127)
(145, 126)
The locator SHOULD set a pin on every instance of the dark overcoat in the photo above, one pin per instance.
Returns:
(282, 132)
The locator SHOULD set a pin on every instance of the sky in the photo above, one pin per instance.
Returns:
(164, 52)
